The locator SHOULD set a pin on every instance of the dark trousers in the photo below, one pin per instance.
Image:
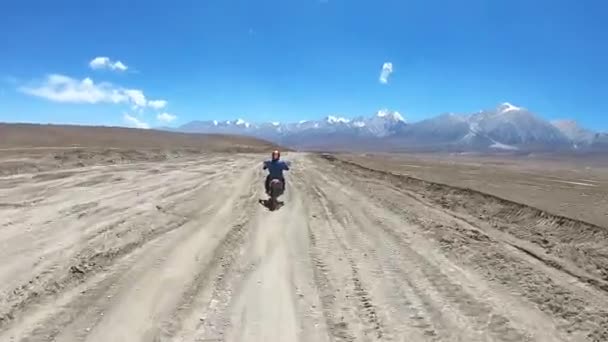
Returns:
(267, 183)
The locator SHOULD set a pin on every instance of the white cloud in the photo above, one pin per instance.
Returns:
(60, 88)
(166, 117)
(135, 122)
(64, 89)
(107, 63)
(119, 66)
(136, 97)
(387, 70)
(157, 104)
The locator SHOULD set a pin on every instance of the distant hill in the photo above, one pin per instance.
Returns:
(33, 135)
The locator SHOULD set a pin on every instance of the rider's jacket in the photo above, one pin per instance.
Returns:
(276, 168)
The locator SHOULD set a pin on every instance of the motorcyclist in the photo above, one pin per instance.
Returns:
(275, 167)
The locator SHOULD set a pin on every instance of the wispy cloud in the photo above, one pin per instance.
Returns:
(136, 97)
(166, 117)
(157, 104)
(387, 70)
(135, 122)
(107, 63)
(61, 88)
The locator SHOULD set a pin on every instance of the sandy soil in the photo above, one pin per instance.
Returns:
(572, 186)
(44, 136)
(184, 251)
(35, 148)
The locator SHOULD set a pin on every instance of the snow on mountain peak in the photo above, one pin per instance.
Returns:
(398, 117)
(507, 107)
(359, 124)
(501, 146)
(384, 113)
(276, 123)
(573, 131)
(215, 123)
(333, 119)
(241, 122)
(303, 121)
(474, 127)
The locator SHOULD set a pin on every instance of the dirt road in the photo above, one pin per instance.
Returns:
(184, 251)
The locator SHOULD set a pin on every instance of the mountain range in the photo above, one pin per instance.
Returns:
(504, 128)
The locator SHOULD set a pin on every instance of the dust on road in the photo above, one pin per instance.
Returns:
(183, 251)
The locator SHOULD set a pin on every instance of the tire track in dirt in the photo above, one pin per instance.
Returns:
(90, 257)
(150, 298)
(217, 278)
(398, 299)
(357, 219)
(184, 252)
(576, 308)
(113, 254)
(366, 309)
(266, 295)
(556, 293)
(263, 306)
(347, 304)
(577, 242)
(332, 284)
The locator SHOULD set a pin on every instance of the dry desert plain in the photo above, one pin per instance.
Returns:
(139, 240)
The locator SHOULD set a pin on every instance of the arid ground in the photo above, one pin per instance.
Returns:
(179, 247)
(572, 186)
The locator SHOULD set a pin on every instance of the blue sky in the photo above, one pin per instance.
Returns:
(288, 60)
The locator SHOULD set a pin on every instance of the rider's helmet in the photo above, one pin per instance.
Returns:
(276, 155)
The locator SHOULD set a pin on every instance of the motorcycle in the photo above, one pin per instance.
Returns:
(276, 190)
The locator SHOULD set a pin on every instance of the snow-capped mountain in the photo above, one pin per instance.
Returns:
(505, 128)
(336, 120)
(600, 142)
(571, 129)
(442, 130)
(237, 126)
(516, 126)
(381, 124)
